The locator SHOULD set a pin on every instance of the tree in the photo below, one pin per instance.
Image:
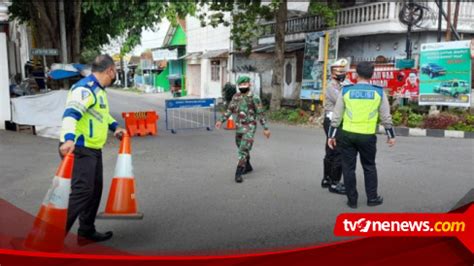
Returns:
(90, 24)
(245, 16)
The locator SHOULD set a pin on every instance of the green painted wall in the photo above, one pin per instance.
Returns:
(179, 37)
(161, 80)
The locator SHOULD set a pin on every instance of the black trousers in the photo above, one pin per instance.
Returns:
(366, 146)
(86, 189)
(332, 158)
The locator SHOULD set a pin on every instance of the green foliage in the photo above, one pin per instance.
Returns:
(462, 127)
(102, 19)
(229, 91)
(291, 116)
(327, 11)
(415, 120)
(469, 119)
(266, 98)
(466, 123)
(397, 118)
(88, 55)
(415, 116)
(129, 18)
(244, 15)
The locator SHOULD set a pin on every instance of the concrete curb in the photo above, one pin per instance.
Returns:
(437, 133)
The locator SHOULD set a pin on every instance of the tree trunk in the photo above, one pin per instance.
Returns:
(46, 28)
(456, 14)
(448, 22)
(76, 32)
(277, 77)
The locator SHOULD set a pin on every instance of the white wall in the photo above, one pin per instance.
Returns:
(150, 38)
(4, 83)
(208, 38)
(300, 6)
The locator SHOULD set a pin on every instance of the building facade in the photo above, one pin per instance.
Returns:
(367, 30)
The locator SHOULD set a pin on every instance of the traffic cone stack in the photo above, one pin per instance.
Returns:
(230, 124)
(49, 227)
(122, 203)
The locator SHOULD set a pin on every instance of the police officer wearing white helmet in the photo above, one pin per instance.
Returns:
(332, 159)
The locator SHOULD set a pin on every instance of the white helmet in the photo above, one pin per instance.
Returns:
(341, 63)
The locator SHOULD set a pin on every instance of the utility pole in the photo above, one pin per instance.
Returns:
(408, 41)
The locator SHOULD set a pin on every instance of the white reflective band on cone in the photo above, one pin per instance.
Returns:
(124, 168)
(58, 193)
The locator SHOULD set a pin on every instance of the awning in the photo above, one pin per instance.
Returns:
(216, 54)
(195, 55)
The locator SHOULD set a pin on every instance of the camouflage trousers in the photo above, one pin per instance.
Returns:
(244, 142)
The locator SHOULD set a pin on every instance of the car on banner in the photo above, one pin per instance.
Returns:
(453, 87)
(433, 70)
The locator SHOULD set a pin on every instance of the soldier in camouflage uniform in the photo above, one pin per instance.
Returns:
(248, 109)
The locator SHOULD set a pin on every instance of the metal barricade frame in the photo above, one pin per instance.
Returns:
(185, 114)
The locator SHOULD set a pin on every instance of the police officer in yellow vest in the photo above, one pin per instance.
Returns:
(359, 107)
(86, 122)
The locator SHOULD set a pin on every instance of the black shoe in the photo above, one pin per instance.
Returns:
(248, 168)
(338, 189)
(238, 174)
(84, 239)
(325, 183)
(375, 202)
(352, 204)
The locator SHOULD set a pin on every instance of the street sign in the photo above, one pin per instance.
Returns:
(165, 54)
(44, 52)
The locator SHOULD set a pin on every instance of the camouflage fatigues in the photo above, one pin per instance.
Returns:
(247, 110)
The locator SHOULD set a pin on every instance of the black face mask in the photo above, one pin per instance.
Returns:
(244, 90)
(340, 77)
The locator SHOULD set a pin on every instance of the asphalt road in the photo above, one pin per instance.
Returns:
(191, 204)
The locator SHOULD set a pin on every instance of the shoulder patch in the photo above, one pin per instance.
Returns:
(85, 94)
(90, 83)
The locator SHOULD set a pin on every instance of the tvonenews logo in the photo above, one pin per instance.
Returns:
(460, 225)
(364, 225)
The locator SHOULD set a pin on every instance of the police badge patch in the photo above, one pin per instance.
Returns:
(85, 94)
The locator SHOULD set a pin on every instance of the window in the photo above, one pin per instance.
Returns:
(288, 72)
(215, 70)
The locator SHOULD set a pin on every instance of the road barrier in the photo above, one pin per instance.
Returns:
(190, 114)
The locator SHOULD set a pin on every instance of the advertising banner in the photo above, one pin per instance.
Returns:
(397, 82)
(315, 55)
(445, 74)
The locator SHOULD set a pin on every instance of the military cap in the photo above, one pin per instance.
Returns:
(243, 79)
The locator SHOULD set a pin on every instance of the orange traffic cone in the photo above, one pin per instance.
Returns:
(230, 123)
(122, 203)
(49, 227)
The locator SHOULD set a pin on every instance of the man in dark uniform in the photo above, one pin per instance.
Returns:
(359, 107)
(86, 121)
(248, 109)
(332, 168)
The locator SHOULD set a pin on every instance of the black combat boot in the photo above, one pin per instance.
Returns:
(326, 182)
(238, 174)
(248, 167)
(336, 185)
